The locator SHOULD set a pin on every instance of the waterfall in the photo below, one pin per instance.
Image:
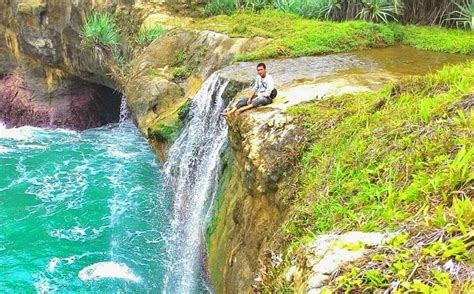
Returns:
(124, 112)
(191, 175)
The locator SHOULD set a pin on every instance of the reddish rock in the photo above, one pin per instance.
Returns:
(77, 105)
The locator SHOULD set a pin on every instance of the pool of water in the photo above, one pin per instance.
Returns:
(81, 211)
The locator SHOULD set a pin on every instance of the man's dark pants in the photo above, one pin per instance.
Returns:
(256, 102)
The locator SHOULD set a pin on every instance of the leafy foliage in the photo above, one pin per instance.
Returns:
(215, 7)
(406, 164)
(458, 12)
(378, 11)
(463, 17)
(100, 29)
(149, 34)
(181, 72)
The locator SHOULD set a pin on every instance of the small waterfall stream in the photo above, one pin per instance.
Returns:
(191, 174)
(124, 112)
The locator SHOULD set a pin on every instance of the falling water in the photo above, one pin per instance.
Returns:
(192, 174)
(124, 112)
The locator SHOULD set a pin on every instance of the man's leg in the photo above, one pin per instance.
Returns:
(241, 103)
(242, 109)
(255, 103)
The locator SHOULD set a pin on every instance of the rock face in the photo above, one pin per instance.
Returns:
(326, 254)
(156, 96)
(48, 79)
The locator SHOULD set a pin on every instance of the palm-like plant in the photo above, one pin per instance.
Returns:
(326, 8)
(463, 17)
(255, 5)
(100, 29)
(285, 5)
(215, 7)
(378, 10)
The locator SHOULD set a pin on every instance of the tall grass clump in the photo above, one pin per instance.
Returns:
(100, 29)
(216, 7)
(318, 9)
(379, 10)
(149, 34)
(451, 13)
(463, 16)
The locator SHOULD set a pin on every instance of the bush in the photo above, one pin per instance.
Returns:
(216, 7)
(463, 16)
(149, 34)
(451, 13)
(181, 72)
(378, 11)
(100, 30)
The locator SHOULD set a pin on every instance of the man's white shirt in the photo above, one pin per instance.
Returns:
(263, 86)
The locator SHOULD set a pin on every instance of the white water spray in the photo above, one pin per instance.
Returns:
(192, 175)
(124, 112)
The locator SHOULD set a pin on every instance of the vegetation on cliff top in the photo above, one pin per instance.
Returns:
(450, 13)
(295, 36)
(401, 158)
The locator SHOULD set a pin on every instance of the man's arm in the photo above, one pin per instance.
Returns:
(254, 91)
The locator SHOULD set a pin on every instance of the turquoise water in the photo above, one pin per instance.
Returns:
(73, 200)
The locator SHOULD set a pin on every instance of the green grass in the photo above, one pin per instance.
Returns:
(438, 39)
(294, 36)
(216, 7)
(377, 166)
(147, 35)
(100, 29)
(382, 160)
(181, 72)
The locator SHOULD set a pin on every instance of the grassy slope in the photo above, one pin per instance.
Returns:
(402, 157)
(294, 36)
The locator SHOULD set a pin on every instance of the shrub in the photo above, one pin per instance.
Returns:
(100, 30)
(147, 35)
(216, 7)
(378, 11)
(181, 72)
(463, 17)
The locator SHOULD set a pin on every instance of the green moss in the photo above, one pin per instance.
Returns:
(165, 131)
(169, 130)
(223, 182)
(155, 72)
(294, 36)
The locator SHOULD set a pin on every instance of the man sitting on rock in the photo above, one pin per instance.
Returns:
(263, 92)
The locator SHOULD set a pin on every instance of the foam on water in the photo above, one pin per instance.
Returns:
(85, 198)
(108, 270)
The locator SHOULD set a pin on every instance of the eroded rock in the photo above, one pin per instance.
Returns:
(328, 253)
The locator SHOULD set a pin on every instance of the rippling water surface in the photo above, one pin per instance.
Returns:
(81, 211)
